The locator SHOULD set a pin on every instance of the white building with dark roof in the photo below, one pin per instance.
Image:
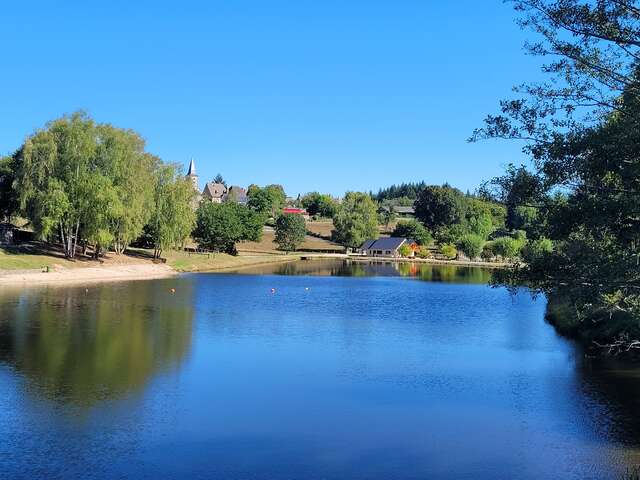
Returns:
(386, 247)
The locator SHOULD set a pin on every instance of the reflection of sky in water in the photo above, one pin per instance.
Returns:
(329, 377)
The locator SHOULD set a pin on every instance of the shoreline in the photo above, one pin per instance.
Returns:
(154, 271)
(93, 274)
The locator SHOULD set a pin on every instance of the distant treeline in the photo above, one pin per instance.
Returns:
(409, 191)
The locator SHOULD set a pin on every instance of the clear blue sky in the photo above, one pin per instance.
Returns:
(329, 95)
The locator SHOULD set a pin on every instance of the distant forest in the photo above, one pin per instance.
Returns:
(409, 191)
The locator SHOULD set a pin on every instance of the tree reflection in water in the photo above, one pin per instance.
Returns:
(80, 345)
(358, 268)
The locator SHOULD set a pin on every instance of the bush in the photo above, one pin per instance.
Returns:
(449, 251)
(536, 249)
(520, 235)
(423, 252)
(471, 245)
(452, 234)
(405, 250)
(507, 247)
(487, 251)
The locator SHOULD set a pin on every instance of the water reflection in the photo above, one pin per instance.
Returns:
(80, 345)
(358, 268)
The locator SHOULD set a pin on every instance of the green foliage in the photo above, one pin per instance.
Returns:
(423, 252)
(520, 191)
(482, 218)
(172, 217)
(403, 194)
(525, 218)
(536, 250)
(386, 215)
(414, 230)
(439, 206)
(8, 195)
(471, 245)
(507, 247)
(267, 201)
(219, 226)
(83, 182)
(449, 251)
(219, 179)
(318, 204)
(405, 251)
(583, 132)
(290, 231)
(452, 233)
(356, 220)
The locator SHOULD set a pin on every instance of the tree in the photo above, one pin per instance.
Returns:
(267, 201)
(439, 206)
(219, 226)
(482, 218)
(414, 230)
(8, 194)
(518, 188)
(218, 179)
(120, 155)
(386, 215)
(582, 131)
(84, 182)
(290, 231)
(56, 163)
(319, 204)
(356, 220)
(400, 193)
(172, 217)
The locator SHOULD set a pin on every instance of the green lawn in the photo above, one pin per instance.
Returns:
(37, 259)
(183, 262)
(16, 260)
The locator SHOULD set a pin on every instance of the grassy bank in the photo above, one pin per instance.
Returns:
(184, 262)
(36, 258)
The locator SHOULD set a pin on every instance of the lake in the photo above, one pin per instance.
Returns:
(308, 370)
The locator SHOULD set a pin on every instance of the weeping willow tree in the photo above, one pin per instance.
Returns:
(82, 182)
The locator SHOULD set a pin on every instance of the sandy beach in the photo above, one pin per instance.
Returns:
(107, 273)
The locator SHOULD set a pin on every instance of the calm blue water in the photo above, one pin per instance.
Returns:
(384, 374)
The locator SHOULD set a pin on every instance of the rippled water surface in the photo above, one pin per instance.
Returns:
(318, 370)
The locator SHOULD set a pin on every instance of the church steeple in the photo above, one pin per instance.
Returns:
(193, 176)
(192, 169)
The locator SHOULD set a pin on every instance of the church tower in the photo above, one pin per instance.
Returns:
(191, 175)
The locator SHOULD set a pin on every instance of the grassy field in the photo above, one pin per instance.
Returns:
(324, 228)
(39, 259)
(184, 262)
(20, 260)
(266, 245)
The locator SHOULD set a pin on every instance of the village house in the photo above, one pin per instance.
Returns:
(388, 247)
(215, 192)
